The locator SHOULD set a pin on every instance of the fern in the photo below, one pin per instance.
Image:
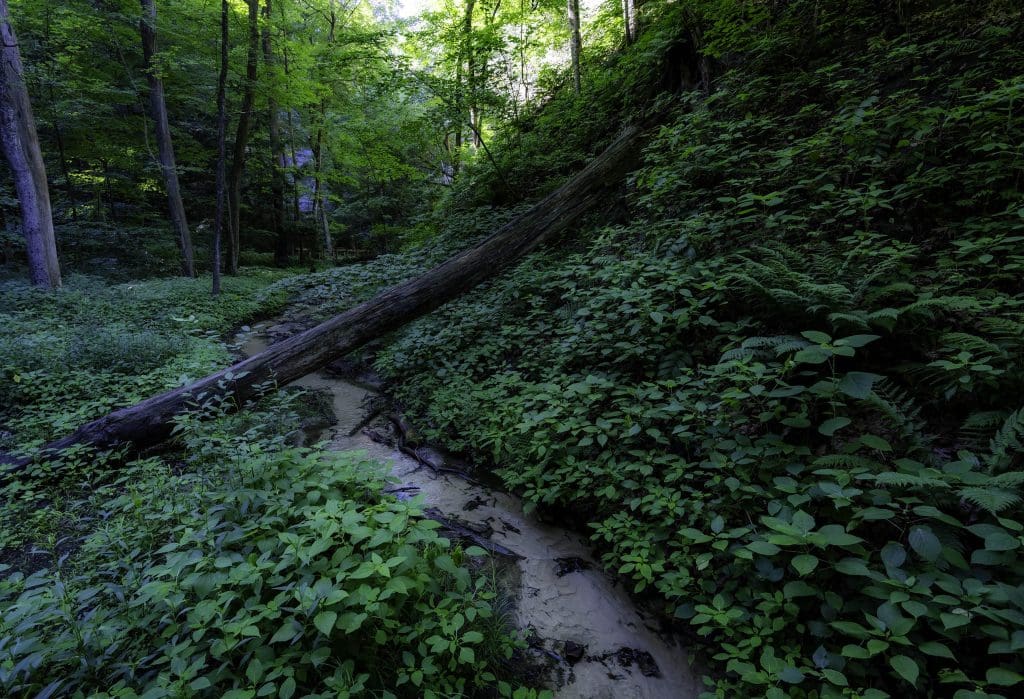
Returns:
(757, 347)
(1007, 444)
(903, 415)
(976, 432)
(992, 500)
(909, 480)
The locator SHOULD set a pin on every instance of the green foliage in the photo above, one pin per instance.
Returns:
(786, 396)
(334, 589)
(74, 355)
(231, 564)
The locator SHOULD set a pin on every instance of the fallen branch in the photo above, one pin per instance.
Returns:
(151, 421)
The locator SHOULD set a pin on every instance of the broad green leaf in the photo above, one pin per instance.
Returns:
(924, 542)
(857, 384)
(830, 426)
(1003, 677)
(324, 622)
(856, 340)
(905, 667)
(805, 563)
(936, 649)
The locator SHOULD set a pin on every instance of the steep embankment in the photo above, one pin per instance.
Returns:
(785, 396)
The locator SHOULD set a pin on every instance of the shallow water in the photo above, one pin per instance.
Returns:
(561, 593)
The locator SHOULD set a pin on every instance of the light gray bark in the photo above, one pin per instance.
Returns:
(575, 41)
(21, 147)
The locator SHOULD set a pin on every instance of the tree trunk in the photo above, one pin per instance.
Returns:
(319, 191)
(151, 421)
(58, 136)
(222, 134)
(471, 86)
(242, 137)
(628, 19)
(575, 41)
(276, 150)
(21, 147)
(158, 105)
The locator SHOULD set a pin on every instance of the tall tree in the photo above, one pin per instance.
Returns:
(21, 147)
(222, 134)
(277, 159)
(319, 191)
(629, 20)
(471, 71)
(242, 137)
(165, 146)
(575, 41)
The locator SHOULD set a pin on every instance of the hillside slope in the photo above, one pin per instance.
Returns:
(784, 388)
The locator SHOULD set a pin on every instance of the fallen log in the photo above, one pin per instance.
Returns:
(151, 421)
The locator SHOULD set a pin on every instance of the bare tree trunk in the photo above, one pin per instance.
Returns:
(319, 191)
(628, 19)
(242, 137)
(471, 86)
(222, 134)
(276, 150)
(21, 147)
(158, 105)
(58, 136)
(575, 41)
(150, 421)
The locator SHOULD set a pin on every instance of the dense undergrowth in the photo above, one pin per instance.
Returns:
(783, 391)
(786, 395)
(232, 564)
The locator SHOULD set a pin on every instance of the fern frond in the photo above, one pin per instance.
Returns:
(903, 415)
(907, 480)
(1007, 443)
(992, 500)
(848, 462)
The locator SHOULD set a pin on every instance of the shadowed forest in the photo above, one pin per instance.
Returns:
(575, 349)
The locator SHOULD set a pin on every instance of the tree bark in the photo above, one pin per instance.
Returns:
(150, 422)
(21, 148)
(242, 137)
(158, 105)
(319, 191)
(575, 41)
(628, 20)
(277, 182)
(222, 134)
(471, 82)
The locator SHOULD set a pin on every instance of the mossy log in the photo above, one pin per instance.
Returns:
(150, 422)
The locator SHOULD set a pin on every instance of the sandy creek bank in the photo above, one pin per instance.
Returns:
(582, 627)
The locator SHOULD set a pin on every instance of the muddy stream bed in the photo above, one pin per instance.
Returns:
(585, 634)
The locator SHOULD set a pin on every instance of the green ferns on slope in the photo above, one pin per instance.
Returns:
(787, 396)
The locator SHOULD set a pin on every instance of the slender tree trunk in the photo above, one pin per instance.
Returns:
(21, 147)
(242, 137)
(575, 41)
(471, 86)
(222, 134)
(69, 186)
(58, 136)
(627, 21)
(319, 191)
(158, 105)
(150, 421)
(276, 150)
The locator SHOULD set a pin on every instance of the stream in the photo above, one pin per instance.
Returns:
(583, 630)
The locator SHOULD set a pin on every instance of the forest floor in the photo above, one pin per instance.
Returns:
(584, 634)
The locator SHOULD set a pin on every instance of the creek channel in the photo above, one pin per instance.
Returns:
(586, 637)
